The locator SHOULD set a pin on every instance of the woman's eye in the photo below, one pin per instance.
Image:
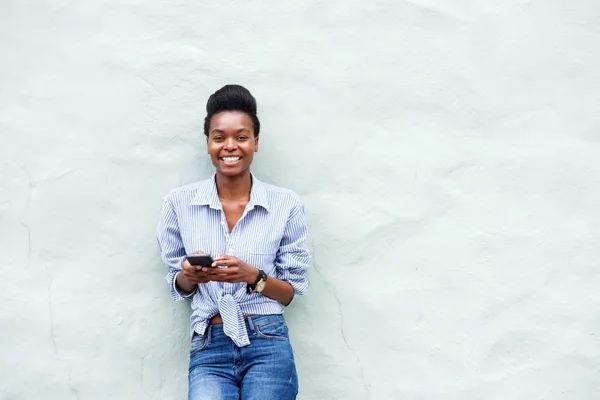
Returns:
(218, 138)
(242, 137)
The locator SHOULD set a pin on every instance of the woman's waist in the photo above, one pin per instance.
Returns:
(205, 311)
(199, 323)
(218, 320)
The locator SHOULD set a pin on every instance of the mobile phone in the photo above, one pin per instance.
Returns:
(202, 260)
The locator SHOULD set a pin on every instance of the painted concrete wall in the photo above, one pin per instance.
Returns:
(447, 152)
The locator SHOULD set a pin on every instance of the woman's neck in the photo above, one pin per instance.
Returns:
(234, 188)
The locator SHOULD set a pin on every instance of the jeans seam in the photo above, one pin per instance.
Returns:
(207, 341)
(200, 349)
(270, 337)
(289, 382)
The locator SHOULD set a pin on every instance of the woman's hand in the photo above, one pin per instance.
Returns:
(236, 271)
(192, 273)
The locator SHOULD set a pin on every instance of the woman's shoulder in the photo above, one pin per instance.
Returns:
(189, 190)
(280, 195)
(279, 190)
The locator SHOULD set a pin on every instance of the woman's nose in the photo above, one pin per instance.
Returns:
(230, 144)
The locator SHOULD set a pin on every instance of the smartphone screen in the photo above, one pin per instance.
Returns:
(203, 260)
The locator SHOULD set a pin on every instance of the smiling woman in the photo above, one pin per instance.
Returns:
(240, 346)
(231, 143)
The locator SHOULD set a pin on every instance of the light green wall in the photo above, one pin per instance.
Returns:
(447, 152)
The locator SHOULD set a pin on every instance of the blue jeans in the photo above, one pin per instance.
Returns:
(264, 370)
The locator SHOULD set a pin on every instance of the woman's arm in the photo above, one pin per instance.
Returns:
(293, 259)
(240, 271)
(190, 276)
(181, 276)
(277, 289)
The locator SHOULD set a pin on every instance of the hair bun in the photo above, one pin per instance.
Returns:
(229, 98)
(232, 98)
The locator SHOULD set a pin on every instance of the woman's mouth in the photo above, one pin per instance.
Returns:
(230, 160)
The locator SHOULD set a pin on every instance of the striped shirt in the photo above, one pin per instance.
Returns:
(270, 235)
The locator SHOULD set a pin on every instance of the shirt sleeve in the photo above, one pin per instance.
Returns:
(172, 249)
(293, 258)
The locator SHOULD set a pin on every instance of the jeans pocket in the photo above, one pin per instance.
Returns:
(275, 330)
(199, 343)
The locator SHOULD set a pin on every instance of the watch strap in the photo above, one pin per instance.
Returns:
(261, 276)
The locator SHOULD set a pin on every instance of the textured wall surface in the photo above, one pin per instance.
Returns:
(447, 151)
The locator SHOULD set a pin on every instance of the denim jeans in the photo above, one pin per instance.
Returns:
(264, 370)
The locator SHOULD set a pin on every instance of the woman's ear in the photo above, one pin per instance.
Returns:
(256, 144)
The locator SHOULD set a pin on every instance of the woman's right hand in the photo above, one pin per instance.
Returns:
(190, 276)
(192, 273)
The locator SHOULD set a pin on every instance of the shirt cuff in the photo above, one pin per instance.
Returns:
(181, 294)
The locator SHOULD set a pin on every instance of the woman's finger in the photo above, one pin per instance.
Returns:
(223, 262)
(224, 272)
(220, 278)
(217, 263)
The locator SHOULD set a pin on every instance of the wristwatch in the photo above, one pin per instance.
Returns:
(259, 284)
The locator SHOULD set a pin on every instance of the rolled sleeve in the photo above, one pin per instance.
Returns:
(172, 249)
(293, 258)
(177, 294)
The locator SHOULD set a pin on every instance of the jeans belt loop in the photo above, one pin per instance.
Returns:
(250, 324)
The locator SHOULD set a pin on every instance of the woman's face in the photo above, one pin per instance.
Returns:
(231, 142)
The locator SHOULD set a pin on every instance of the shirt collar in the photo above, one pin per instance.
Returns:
(207, 194)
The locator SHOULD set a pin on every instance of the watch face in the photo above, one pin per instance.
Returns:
(260, 286)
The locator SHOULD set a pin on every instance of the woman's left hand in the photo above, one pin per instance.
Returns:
(236, 271)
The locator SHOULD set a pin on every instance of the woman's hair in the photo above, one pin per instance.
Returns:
(232, 98)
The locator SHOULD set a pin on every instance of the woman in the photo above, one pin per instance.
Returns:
(240, 346)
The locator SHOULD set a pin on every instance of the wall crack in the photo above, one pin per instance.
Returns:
(26, 211)
(51, 310)
(360, 364)
(142, 374)
(341, 315)
(71, 388)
